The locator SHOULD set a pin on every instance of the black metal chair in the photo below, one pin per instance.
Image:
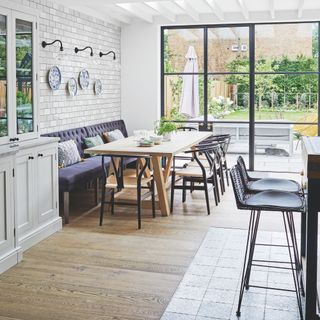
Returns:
(262, 184)
(120, 181)
(198, 176)
(224, 141)
(271, 200)
(183, 158)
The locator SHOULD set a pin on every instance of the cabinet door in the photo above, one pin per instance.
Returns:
(25, 192)
(6, 207)
(47, 173)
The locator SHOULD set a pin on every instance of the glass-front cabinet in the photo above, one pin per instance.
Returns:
(18, 76)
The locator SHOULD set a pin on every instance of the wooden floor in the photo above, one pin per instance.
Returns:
(114, 271)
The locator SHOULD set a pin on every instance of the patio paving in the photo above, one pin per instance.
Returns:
(210, 287)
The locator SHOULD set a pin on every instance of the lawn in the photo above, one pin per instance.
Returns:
(294, 116)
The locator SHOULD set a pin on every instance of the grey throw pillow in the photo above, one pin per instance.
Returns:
(113, 135)
(68, 153)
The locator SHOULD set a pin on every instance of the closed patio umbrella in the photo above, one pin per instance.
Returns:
(189, 103)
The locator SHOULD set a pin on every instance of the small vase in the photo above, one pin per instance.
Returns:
(167, 136)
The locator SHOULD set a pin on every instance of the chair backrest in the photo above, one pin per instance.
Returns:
(186, 128)
(243, 170)
(239, 188)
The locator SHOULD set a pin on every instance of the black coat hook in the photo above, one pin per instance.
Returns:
(44, 44)
(105, 54)
(76, 50)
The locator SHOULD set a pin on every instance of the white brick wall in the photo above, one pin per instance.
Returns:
(58, 110)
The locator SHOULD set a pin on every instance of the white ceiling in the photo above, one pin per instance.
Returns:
(196, 11)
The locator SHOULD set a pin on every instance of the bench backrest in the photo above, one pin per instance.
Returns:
(78, 134)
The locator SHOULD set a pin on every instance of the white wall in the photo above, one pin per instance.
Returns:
(140, 75)
(57, 109)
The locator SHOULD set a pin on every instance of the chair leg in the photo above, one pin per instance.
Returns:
(153, 199)
(139, 205)
(256, 222)
(207, 196)
(112, 202)
(227, 172)
(173, 181)
(103, 196)
(216, 182)
(96, 191)
(242, 286)
(66, 206)
(184, 192)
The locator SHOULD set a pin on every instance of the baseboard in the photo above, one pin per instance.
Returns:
(39, 234)
(9, 260)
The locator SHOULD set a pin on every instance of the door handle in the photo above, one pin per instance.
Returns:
(31, 158)
(40, 155)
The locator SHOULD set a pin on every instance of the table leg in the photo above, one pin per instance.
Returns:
(161, 186)
(167, 168)
(311, 255)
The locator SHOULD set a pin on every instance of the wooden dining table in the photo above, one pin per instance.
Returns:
(180, 142)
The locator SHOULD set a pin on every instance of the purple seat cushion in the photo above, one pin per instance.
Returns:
(81, 172)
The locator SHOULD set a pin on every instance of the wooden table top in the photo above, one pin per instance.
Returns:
(180, 142)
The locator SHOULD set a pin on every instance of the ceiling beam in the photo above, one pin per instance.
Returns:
(272, 10)
(116, 13)
(244, 9)
(136, 11)
(300, 8)
(165, 12)
(189, 9)
(216, 9)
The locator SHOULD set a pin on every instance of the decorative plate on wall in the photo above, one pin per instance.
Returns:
(98, 87)
(72, 87)
(84, 79)
(54, 78)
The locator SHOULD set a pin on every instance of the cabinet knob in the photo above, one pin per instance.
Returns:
(40, 155)
(31, 158)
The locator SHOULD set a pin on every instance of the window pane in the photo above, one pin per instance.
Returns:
(228, 97)
(177, 43)
(228, 49)
(286, 47)
(183, 97)
(3, 78)
(24, 76)
(290, 98)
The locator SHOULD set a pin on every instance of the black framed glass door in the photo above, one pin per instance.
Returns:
(258, 82)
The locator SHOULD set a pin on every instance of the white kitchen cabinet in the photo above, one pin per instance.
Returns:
(8, 252)
(37, 194)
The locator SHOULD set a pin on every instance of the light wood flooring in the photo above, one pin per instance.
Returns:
(114, 271)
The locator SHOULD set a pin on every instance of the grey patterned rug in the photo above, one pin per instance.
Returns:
(210, 287)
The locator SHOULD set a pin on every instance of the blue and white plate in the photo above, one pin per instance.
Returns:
(98, 87)
(84, 79)
(72, 87)
(54, 78)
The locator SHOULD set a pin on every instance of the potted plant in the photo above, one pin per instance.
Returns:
(166, 128)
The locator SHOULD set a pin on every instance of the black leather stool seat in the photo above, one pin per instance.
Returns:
(274, 184)
(275, 200)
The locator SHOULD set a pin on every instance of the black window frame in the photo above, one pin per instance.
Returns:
(207, 125)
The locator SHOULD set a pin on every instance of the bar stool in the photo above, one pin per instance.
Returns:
(270, 200)
(257, 185)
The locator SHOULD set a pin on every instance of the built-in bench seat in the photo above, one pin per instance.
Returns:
(88, 170)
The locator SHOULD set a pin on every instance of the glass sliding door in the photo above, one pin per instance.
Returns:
(286, 93)
(228, 86)
(183, 69)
